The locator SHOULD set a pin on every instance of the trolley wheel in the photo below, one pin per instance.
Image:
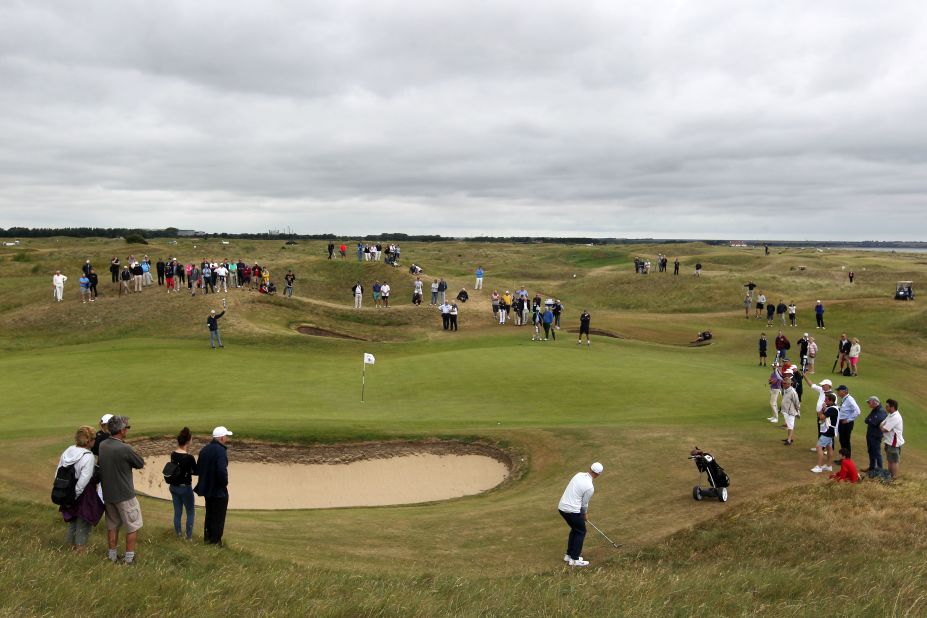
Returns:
(722, 494)
(697, 492)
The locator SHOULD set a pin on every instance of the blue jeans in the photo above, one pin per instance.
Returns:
(182, 496)
(214, 338)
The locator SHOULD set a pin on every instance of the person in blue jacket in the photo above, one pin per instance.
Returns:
(213, 468)
(548, 319)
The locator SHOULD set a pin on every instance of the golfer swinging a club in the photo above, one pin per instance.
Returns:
(574, 507)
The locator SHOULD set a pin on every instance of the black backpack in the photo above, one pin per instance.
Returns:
(173, 473)
(65, 485)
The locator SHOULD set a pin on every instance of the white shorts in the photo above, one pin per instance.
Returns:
(789, 421)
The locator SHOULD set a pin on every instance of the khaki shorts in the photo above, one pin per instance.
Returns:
(126, 514)
(893, 453)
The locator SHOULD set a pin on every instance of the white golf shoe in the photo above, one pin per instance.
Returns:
(817, 469)
(579, 562)
(566, 557)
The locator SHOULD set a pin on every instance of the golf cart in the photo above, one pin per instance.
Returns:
(904, 290)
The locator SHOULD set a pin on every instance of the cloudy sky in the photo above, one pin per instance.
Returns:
(665, 119)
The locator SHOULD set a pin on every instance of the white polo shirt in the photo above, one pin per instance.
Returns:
(892, 428)
(576, 496)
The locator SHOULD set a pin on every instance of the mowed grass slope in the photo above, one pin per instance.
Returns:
(637, 403)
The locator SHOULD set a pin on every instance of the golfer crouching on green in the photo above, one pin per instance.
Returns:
(574, 507)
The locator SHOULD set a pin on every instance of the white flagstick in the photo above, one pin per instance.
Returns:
(368, 360)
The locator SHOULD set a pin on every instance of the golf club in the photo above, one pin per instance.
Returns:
(834, 368)
(614, 544)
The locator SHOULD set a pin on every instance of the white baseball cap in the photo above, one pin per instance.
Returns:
(826, 382)
(597, 468)
(220, 432)
(105, 418)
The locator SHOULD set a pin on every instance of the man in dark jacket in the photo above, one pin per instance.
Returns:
(160, 266)
(877, 414)
(213, 323)
(213, 484)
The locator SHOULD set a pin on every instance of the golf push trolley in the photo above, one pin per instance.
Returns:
(718, 480)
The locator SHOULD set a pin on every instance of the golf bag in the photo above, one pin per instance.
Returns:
(718, 480)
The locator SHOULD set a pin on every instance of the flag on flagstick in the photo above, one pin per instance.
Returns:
(369, 359)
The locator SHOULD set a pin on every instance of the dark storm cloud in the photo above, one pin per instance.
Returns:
(709, 119)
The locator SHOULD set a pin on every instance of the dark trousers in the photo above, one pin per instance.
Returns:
(820, 318)
(214, 522)
(453, 322)
(845, 430)
(873, 445)
(160, 277)
(577, 533)
(115, 275)
(446, 320)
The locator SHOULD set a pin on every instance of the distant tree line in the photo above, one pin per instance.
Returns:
(173, 232)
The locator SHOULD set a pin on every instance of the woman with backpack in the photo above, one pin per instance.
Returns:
(179, 476)
(83, 508)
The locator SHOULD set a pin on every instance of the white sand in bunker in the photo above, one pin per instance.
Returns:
(403, 478)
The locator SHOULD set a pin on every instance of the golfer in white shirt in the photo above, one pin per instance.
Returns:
(574, 507)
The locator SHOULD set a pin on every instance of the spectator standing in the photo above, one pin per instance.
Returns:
(195, 278)
(453, 316)
(384, 292)
(114, 269)
(676, 266)
(288, 279)
(84, 283)
(558, 310)
(138, 276)
(160, 268)
(180, 274)
(331, 250)
(494, 299)
(853, 355)
(548, 319)
(343, 250)
(117, 461)
(851, 275)
(781, 310)
(574, 508)
(793, 317)
(102, 434)
(504, 303)
(892, 430)
(873, 422)
(87, 509)
(763, 345)
(169, 276)
(376, 293)
(827, 421)
(124, 278)
(698, 269)
(94, 282)
(417, 291)
(479, 278)
(843, 351)
(182, 489)
(782, 347)
(819, 314)
(812, 354)
(775, 390)
(212, 322)
(222, 274)
(146, 273)
(760, 304)
(849, 411)
(791, 407)
(434, 292)
(442, 290)
(445, 309)
(770, 314)
(803, 344)
(358, 291)
(213, 468)
(233, 274)
(58, 281)
(748, 302)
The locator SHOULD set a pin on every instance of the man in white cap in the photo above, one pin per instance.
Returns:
(821, 389)
(212, 485)
(102, 434)
(574, 507)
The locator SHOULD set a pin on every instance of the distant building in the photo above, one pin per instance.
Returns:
(190, 233)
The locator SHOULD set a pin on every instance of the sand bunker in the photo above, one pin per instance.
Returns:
(315, 331)
(272, 476)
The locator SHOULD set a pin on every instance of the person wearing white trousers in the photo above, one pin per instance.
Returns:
(358, 295)
(58, 283)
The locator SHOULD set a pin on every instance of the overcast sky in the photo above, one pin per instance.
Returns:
(730, 120)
